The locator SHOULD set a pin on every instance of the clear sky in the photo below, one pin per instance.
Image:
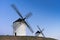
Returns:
(46, 14)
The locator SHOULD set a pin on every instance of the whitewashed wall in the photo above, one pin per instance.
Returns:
(19, 28)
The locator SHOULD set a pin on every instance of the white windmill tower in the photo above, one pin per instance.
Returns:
(19, 26)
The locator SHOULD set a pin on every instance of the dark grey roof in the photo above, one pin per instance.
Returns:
(18, 20)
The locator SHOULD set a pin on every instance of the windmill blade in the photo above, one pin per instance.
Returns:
(38, 28)
(28, 26)
(42, 30)
(43, 36)
(17, 11)
(28, 15)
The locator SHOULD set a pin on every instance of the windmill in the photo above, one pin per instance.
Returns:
(19, 26)
(40, 32)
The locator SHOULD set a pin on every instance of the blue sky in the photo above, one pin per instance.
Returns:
(46, 14)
